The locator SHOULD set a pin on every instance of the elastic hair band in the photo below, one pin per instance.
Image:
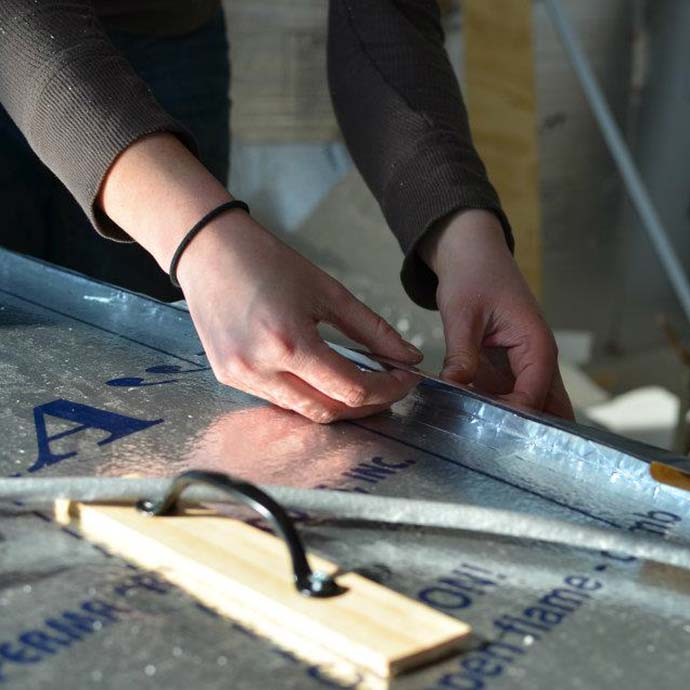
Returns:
(211, 215)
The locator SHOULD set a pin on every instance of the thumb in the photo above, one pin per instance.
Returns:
(464, 332)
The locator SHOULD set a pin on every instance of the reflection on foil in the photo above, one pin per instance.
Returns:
(274, 446)
(435, 444)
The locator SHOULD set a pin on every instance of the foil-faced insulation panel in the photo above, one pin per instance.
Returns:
(102, 382)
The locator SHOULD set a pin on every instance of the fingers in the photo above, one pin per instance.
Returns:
(264, 340)
(494, 375)
(360, 323)
(303, 374)
(292, 393)
(557, 401)
(464, 331)
(534, 362)
(523, 372)
(341, 380)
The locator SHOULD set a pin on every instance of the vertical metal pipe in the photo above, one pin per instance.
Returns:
(621, 155)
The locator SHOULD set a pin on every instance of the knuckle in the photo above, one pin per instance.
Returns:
(319, 414)
(356, 395)
(284, 348)
(547, 337)
(327, 416)
(278, 344)
(551, 348)
(337, 292)
(237, 366)
(461, 361)
(554, 348)
(382, 328)
(333, 297)
(223, 376)
(281, 399)
(458, 357)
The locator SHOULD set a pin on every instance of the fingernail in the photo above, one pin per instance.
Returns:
(414, 350)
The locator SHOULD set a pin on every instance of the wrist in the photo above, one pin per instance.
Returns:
(461, 234)
(156, 190)
(222, 239)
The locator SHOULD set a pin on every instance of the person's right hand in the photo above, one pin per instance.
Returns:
(256, 304)
(254, 301)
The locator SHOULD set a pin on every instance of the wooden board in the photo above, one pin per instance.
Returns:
(500, 93)
(245, 573)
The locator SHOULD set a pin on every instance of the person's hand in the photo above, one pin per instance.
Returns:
(256, 304)
(496, 337)
(254, 301)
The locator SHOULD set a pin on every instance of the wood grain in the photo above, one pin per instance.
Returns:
(245, 574)
(499, 71)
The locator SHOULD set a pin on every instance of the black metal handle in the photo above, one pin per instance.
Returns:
(307, 582)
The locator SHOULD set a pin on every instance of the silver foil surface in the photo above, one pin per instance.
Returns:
(98, 381)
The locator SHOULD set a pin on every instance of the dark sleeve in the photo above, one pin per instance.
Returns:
(399, 106)
(74, 97)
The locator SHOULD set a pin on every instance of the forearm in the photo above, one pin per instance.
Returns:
(255, 302)
(156, 190)
(402, 115)
(74, 97)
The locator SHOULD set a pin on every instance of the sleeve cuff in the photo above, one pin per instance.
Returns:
(418, 280)
(87, 114)
(437, 184)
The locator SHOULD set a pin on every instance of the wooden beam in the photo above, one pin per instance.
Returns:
(500, 92)
(245, 573)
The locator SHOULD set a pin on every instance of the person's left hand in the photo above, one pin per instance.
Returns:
(496, 338)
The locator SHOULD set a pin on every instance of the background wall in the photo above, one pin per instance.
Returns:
(661, 138)
(599, 272)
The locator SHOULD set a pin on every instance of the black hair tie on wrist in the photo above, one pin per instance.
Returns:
(211, 215)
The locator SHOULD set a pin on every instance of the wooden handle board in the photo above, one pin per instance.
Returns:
(245, 574)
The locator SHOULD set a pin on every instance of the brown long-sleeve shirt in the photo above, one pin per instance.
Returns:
(80, 104)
